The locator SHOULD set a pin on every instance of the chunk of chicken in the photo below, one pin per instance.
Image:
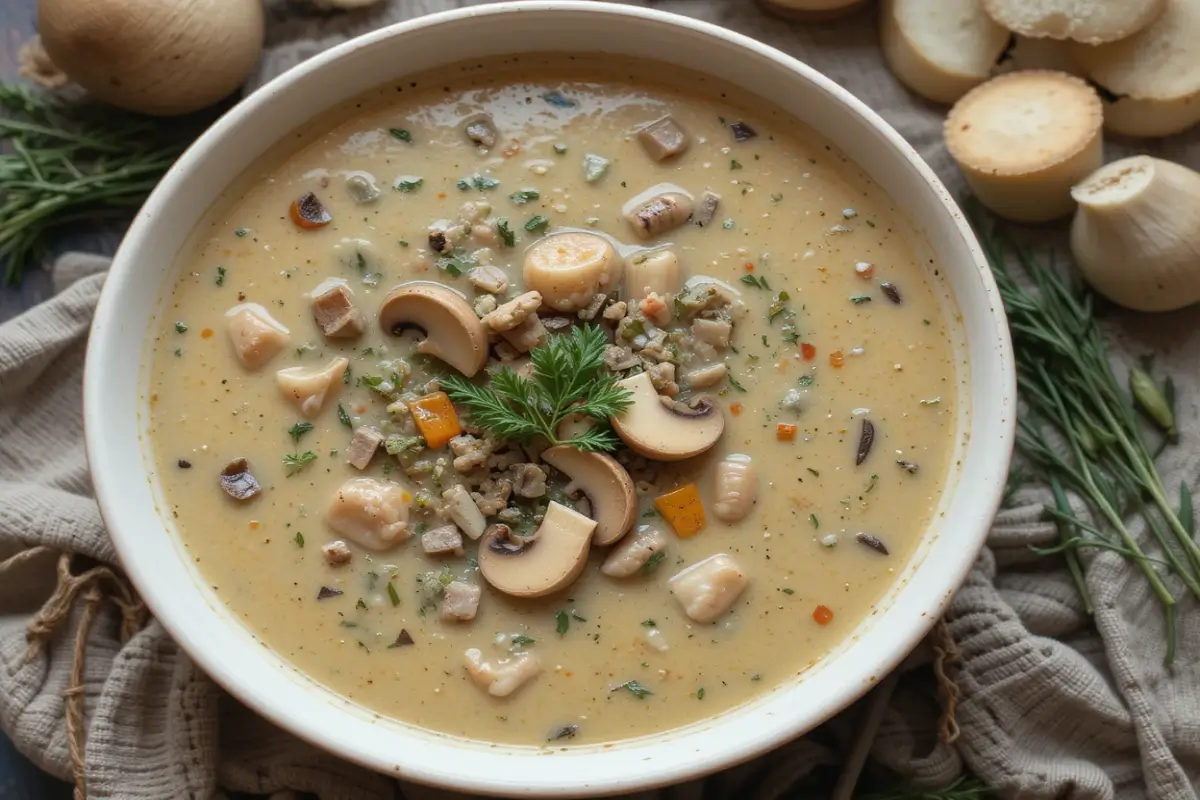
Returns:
(708, 588)
(514, 312)
(663, 139)
(470, 453)
(488, 279)
(308, 388)
(634, 551)
(460, 601)
(256, 336)
(445, 540)
(363, 445)
(715, 332)
(461, 508)
(502, 677)
(705, 377)
(336, 553)
(336, 314)
(529, 334)
(370, 512)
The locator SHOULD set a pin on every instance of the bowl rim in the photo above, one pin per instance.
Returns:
(449, 775)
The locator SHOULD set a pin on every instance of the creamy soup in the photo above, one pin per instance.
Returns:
(730, 335)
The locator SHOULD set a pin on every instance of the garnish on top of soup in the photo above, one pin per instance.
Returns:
(553, 410)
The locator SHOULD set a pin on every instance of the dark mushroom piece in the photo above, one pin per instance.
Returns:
(452, 331)
(742, 132)
(706, 208)
(664, 430)
(308, 212)
(865, 440)
(872, 541)
(237, 481)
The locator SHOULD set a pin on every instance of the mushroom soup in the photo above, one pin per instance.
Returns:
(537, 410)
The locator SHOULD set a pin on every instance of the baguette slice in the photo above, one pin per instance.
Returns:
(1154, 75)
(1024, 139)
(940, 48)
(1090, 21)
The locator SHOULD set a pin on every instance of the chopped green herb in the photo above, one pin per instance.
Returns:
(595, 167)
(805, 380)
(395, 444)
(653, 562)
(700, 693)
(813, 471)
(779, 306)
(240, 232)
(408, 184)
(649, 512)
(454, 266)
(559, 100)
(562, 622)
(859, 299)
(727, 224)
(477, 181)
(220, 276)
(871, 484)
(298, 430)
(393, 595)
(521, 640)
(524, 196)
(537, 223)
(506, 233)
(756, 676)
(346, 377)
(786, 590)
(634, 688)
(348, 624)
(649, 623)
(181, 327)
(343, 417)
(816, 523)
(403, 242)
(361, 605)
(401, 134)
(790, 334)
(372, 381)
(307, 347)
(575, 615)
(757, 281)
(734, 382)
(775, 198)
(178, 352)
(734, 164)
(294, 462)
(299, 539)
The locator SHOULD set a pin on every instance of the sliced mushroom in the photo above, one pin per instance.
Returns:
(481, 130)
(632, 554)
(256, 336)
(551, 561)
(708, 588)
(569, 269)
(658, 210)
(607, 485)
(664, 430)
(335, 313)
(309, 387)
(237, 481)
(663, 139)
(452, 331)
(370, 512)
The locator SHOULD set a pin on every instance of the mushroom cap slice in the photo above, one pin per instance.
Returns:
(607, 485)
(666, 432)
(551, 560)
(452, 331)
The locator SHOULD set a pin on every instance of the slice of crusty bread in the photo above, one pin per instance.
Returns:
(940, 48)
(1153, 77)
(1091, 21)
(1024, 139)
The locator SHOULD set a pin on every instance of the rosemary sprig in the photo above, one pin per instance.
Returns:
(565, 382)
(72, 163)
(1070, 394)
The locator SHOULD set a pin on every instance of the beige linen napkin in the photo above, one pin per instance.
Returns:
(1049, 706)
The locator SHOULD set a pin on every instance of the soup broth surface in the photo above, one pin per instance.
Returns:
(837, 325)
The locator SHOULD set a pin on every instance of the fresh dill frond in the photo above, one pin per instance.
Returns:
(566, 380)
(294, 462)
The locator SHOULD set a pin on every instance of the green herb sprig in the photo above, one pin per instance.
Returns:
(566, 381)
(1070, 393)
(72, 163)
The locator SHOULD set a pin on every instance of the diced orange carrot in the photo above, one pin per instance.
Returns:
(823, 615)
(836, 359)
(748, 266)
(683, 510)
(652, 305)
(735, 408)
(436, 419)
(206, 333)
(785, 432)
(808, 351)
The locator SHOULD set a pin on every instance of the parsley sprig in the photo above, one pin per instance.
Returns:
(565, 373)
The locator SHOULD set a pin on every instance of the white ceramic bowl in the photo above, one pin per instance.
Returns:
(218, 642)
